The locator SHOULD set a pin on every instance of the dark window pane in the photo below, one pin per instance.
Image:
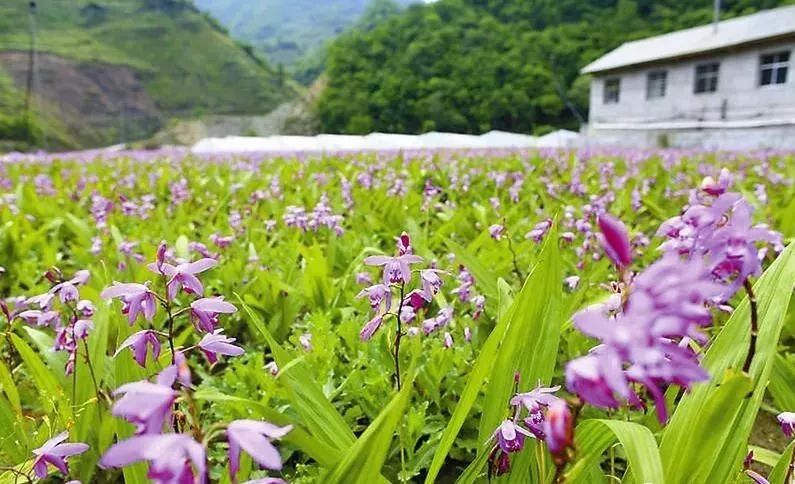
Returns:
(767, 75)
(781, 75)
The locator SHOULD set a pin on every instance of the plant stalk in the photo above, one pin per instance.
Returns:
(754, 325)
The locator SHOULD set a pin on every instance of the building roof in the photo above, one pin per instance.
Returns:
(764, 25)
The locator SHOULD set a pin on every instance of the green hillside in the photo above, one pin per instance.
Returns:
(286, 31)
(131, 64)
(475, 65)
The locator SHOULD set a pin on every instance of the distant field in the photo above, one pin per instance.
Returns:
(388, 307)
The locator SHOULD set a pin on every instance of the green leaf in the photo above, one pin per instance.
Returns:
(51, 393)
(779, 472)
(10, 388)
(485, 279)
(326, 456)
(706, 438)
(781, 388)
(366, 457)
(526, 341)
(316, 412)
(593, 437)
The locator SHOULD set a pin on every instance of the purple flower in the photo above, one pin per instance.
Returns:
(215, 343)
(55, 452)
(183, 275)
(787, 422)
(447, 340)
(204, 312)
(431, 283)
(147, 405)
(495, 231)
(378, 294)
(40, 318)
(81, 328)
(363, 279)
(717, 188)
(137, 299)
(756, 477)
(396, 269)
(255, 438)
(536, 402)
(369, 329)
(667, 303)
(139, 343)
(510, 437)
(173, 458)
(558, 427)
(615, 240)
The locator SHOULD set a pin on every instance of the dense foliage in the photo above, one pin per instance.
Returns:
(205, 299)
(473, 65)
(287, 31)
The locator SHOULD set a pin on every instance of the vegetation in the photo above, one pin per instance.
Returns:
(473, 65)
(123, 268)
(286, 31)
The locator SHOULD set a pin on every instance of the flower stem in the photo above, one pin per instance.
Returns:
(515, 264)
(398, 335)
(91, 370)
(17, 473)
(754, 325)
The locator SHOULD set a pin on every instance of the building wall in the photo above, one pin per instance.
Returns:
(738, 88)
(769, 137)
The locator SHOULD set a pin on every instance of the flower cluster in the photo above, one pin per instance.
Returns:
(717, 226)
(176, 448)
(62, 310)
(537, 414)
(320, 216)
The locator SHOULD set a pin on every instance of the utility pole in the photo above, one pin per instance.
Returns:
(716, 17)
(31, 62)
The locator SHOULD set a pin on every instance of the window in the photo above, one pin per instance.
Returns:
(656, 84)
(612, 91)
(706, 78)
(773, 68)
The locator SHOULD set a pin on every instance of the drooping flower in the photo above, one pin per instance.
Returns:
(183, 275)
(216, 343)
(510, 437)
(55, 453)
(173, 458)
(495, 231)
(369, 329)
(39, 318)
(378, 294)
(431, 283)
(787, 422)
(255, 438)
(615, 240)
(396, 269)
(536, 402)
(204, 312)
(137, 299)
(558, 427)
(140, 342)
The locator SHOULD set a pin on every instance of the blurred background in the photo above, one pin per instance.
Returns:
(76, 74)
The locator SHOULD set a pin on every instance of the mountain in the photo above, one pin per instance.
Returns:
(287, 30)
(112, 70)
(474, 65)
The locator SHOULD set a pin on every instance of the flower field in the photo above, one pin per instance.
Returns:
(552, 316)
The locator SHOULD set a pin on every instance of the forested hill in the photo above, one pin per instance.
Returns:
(474, 65)
(287, 30)
(107, 71)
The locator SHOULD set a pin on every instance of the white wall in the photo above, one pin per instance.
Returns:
(770, 137)
(738, 86)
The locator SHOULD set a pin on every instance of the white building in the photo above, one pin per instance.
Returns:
(726, 85)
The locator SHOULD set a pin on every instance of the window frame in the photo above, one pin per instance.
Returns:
(711, 74)
(774, 67)
(606, 88)
(662, 79)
